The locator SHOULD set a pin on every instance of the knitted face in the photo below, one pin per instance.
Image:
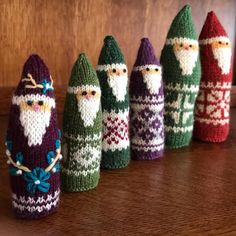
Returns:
(221, 49)
(88, 101)
(186, 52)
(152, 77)
(35, 114)
(118, 80)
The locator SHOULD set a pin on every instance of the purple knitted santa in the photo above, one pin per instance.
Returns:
(33, 143)
(146, 105)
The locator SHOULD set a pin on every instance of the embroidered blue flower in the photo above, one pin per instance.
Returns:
(19, 160)
(9, 145)
(36, 179)
(47, 86)
(57, 143)
(50, 159)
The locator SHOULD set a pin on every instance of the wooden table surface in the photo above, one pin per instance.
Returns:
(191, 191)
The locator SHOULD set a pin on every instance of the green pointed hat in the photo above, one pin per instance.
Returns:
(182, 25)
(83, 73)
(111, 53)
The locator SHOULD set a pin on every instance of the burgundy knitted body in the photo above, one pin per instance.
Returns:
(146, 105)
(36, 193)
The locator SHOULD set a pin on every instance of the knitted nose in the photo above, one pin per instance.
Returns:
(36, 107)
(87, 97)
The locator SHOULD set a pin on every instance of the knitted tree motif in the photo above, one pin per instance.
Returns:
(181, 75)
(213, 102)
(33, 143)
(82, 126)
(113, 76)
(147, 105)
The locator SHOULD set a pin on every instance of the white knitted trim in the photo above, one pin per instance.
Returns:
(218, 85)
(18, 99)
(155, 148)
(211, 40)
(178, 129)
(144, 67)
(79, 173)
(82, 138)
(22, 203)
(147, 99)
(182, 88)
(107, 67)
(172, 41)
(76, 89)
(211, 121)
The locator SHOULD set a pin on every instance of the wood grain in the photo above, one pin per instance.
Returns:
(191, 191)
(59, 30)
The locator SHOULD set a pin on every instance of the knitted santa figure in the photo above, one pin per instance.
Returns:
(82, 127)
(181, 76)
(113, 76)
(146, 105)
(212, 107)
(33, 143)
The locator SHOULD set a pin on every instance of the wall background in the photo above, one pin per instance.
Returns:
(58, 30)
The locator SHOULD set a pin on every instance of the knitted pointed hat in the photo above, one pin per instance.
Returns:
(83, 72)
(35, 78)
(111, 53)
(212, 27)
(146, 54)
(182, 25)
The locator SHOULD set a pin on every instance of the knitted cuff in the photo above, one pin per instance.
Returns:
(181, 76)
(213, 102)
(146, 105)
(113, 76)
(33, 143)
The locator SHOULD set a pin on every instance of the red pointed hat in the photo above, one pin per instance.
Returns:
(212, 27)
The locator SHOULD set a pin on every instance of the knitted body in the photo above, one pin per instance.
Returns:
(146, 105)
(33, 143)
(113, 77)
(181, 76)
(82, 126)
(213, 102)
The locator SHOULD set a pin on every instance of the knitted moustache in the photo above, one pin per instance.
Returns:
(212, 107)
(33, 143)
(146, 105)
(113, 76)
(181, 76)
(82, 126)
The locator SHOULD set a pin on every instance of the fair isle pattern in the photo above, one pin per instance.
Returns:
(115, 130)
(147, 119)
(213, 104)
(33, 204)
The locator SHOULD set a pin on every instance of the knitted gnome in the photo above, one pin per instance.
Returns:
(146, 105)
(113, 76)
(212, 107)
(33, 143)
(181, 76)
(82, 129)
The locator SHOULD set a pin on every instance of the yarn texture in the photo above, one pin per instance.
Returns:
(33, 143)
(181, 76)
(213, 101)
(113, 77)
(82, 127)
(146, 105)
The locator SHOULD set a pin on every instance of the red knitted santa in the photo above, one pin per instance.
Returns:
(212, 106)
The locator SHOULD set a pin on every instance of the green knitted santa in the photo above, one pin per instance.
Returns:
(113, 76)
(181, 76)
(82, 126)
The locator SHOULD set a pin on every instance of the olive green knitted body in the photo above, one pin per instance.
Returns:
(180, 87)
(116, 150)
(81, 142)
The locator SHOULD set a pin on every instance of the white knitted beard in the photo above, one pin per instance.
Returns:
(223, 57)
(35, 124)
(88, 110)
(153, 82)
(118, 85)
(187, 60)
